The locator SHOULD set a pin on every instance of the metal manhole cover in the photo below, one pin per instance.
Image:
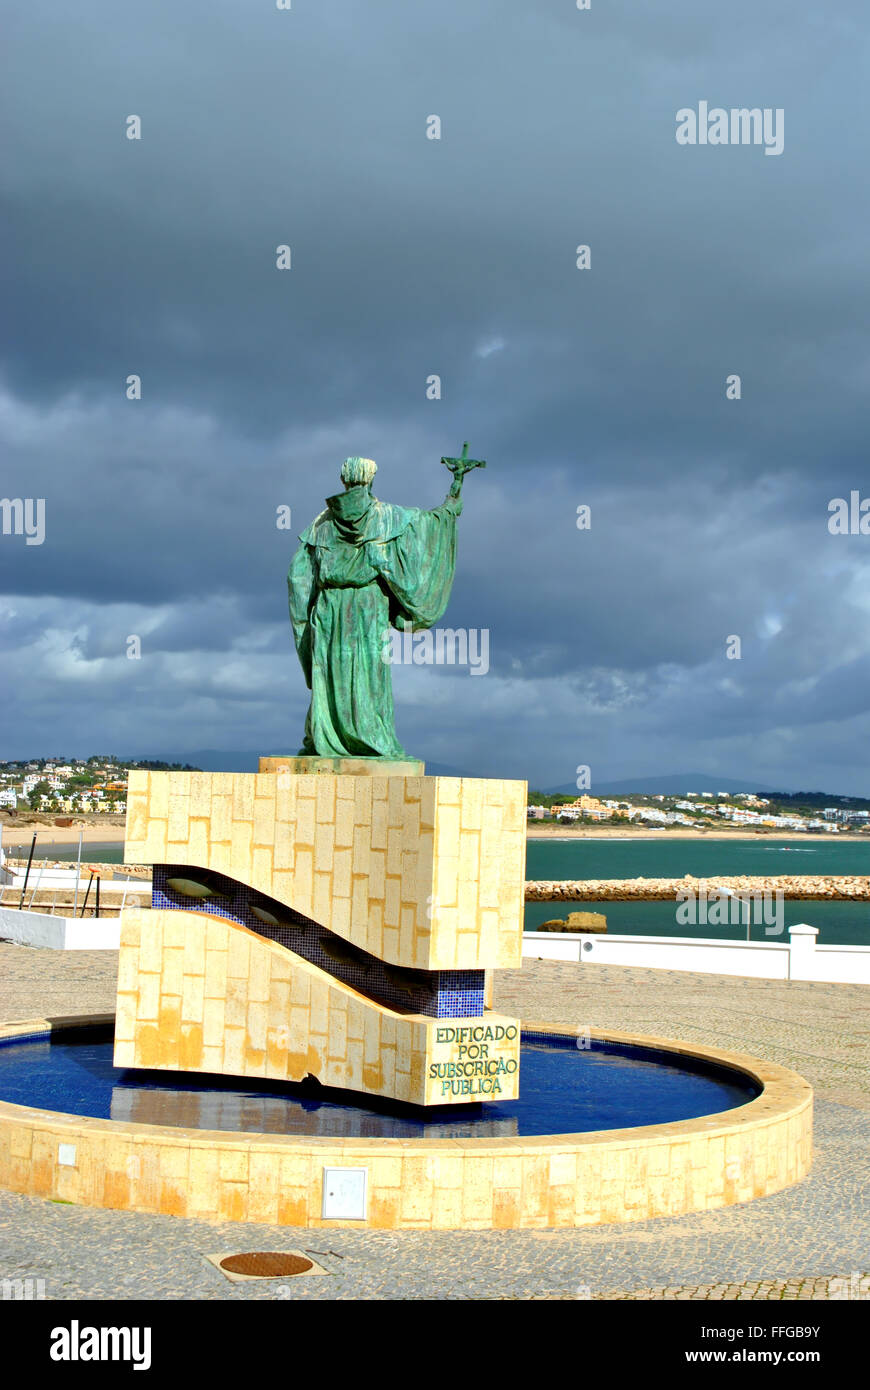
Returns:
(267, 1264)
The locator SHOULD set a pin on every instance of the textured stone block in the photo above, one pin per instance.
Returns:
(426, 871)
(258, 1023)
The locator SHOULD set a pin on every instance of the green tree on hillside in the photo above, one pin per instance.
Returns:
(36, 793)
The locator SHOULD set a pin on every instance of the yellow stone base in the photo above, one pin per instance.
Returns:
(204, 994)
(422, 872)
(528, 1182)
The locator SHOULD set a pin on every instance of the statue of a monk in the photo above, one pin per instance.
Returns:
(362, 567)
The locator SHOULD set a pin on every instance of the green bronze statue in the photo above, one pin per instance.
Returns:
(362, 567)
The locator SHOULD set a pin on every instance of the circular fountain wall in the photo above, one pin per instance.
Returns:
(608, 1128)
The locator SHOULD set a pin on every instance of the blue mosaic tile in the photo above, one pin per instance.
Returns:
(432, 993)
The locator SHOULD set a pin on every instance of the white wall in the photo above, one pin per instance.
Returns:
(798, 959)
(836, 964)
(60, 933)
(66, 878)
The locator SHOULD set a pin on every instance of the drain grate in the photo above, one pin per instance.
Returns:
(266, 1264)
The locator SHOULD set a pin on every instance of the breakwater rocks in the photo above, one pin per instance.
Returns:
(576, 921)
(833, 888)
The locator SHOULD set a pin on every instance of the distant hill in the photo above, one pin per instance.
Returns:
(218, 760)
(671, 784)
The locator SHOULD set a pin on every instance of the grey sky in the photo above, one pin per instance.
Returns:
(455, 257)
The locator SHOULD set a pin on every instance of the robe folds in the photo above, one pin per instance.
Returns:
(362, 567)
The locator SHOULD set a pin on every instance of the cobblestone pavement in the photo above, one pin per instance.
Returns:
(766, 1289)
(857, 1286)
(810, 1242)
(819, 1030)
(45, 984)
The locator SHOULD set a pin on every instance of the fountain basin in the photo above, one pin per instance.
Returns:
(482, 1167)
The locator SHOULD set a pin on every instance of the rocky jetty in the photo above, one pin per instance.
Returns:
(832, 888)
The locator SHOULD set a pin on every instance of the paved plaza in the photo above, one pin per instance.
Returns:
(809, 1242)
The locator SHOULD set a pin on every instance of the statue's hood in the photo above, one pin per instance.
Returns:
(348, 511)
(356, 517)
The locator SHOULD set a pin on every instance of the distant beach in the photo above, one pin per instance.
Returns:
(537, 831)
(108, 831)
(17, 832)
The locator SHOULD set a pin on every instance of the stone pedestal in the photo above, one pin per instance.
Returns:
(303, 765)
(335, 926)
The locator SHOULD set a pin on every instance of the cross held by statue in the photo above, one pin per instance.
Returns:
(459, 467)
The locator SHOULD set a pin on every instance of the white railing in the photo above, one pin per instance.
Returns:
(798, 959)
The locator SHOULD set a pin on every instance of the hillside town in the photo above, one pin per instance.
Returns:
(700, 810)
(68, 786)
(98, 784)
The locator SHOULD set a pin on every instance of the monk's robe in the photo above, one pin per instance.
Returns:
(362, 567)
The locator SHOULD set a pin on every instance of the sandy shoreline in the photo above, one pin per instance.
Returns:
(18, 833)
(612, 833)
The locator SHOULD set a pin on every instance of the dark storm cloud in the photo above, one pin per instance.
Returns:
(454, 257)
